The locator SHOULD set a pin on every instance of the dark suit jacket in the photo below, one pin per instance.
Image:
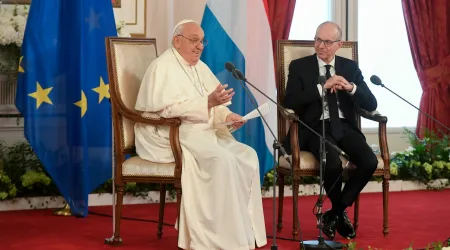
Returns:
(302, 94)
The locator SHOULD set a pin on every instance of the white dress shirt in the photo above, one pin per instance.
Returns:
(323, 71)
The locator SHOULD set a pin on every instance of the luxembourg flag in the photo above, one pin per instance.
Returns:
(238, 31)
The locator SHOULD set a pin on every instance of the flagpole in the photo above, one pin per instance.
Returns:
(113, 163)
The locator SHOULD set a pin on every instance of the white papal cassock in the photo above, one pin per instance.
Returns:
(221, 206)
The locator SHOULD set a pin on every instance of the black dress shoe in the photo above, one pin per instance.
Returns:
(330, 222)
(345, 227)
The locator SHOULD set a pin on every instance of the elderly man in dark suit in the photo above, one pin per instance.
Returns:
(345, 92)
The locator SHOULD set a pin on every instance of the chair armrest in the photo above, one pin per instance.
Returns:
(149, 118)
(174, 134)
(382, 137)
(174, 137)
(373, 116)
(295, 148)
(288, 115)
(155, 119)
(139, 116)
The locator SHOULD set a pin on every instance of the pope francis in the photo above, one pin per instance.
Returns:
(221, 206)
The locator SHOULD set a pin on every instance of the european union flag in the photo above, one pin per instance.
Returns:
(63, 93)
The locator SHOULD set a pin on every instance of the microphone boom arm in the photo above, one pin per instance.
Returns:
(429, 116)
(239, 75)
(277, 144)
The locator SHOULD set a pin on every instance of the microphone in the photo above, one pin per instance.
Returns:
(322, 80)
(377, 81)
(230, 66)
(238, 75)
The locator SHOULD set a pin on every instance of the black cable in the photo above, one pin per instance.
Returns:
(326, 195)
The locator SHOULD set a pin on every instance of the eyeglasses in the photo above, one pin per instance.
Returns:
(327, 43)
(196, 42)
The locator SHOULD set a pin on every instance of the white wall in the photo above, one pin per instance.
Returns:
(134, 14)
(156, 19)
(163, 15)
(397, 140)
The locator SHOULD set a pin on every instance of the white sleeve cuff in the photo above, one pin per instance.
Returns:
(353, 90)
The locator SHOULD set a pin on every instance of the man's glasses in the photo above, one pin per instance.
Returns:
(327, 43)
(196, 42)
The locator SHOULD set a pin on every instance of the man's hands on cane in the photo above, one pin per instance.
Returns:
(338, 83)
(220, 96)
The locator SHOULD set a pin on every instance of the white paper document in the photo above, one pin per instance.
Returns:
(264, 109)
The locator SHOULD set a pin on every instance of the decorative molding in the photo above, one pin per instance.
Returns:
(144, 34)
(138, 35)
(153, 196)
(15, 1)
(135, 13)
(116, 3)
(8, 88)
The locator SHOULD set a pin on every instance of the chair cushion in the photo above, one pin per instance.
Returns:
(309, 162)
(135, 166)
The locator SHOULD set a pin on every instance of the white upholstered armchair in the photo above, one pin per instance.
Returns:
(128, 60)
(303, 162)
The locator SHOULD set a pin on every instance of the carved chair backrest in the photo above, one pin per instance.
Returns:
(288, 50)
(128, 60)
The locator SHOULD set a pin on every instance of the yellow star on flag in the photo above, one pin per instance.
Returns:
(82, 104)
(20, 67)
(41, 95)
(102, 90)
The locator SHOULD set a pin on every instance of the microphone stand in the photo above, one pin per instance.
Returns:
(429, 116)
(320, 243)
(276, 146)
